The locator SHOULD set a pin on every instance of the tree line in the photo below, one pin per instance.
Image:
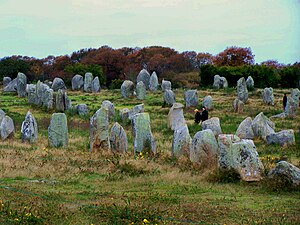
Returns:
(187, 68)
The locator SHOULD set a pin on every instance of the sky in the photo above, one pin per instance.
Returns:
(38, 28)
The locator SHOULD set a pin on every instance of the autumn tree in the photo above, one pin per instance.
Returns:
(234, 56)
(204, 58)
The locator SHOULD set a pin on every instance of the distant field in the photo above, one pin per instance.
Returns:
(42, 185)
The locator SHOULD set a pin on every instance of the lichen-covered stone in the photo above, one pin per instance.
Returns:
(176, 117)
(262, 126)
(295, 94)
(127, 89)
(291, 107)
(145, 77)
(118, 139)
(268, 97)
(250, 83)
(135, 110)
(220, 82)
(58, 130)
(169, 97)
(110, 107)
(29, 129)
(82, 109)
(208, 102)
(96, 85)
(57, 84)
(141, 90)
(191, 98)
(181, 141)
(11, 86)
(21, 85)
(77, 83)
(284, 137)
(212, 124)
(44, 95)
(31, 90)
(2, 114)
(7, 128)
(166, 85)
(238, 106)
(244, 130)
(153, 82)
(143, 138)
(242, 91)
(62, 102)
(88, 80)
(286, 170)
(6, 81)
(124, 114)
(204, 148)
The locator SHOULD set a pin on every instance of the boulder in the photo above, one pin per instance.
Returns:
(57, 84)
(6, 81)
(140, 90)
(135, 110)
(29, 129)
(241, 156)
(181, 141)
(286, 170)
(204, 148)
(7, 128)
(11, 86)
(21, 85)
(238, 106)
(110, 107)
(166, 85)
(124, 114)
(58, 130)
(208, 102)
(242, 91)
(250, 83)
(169, 97)
(244, 130)
(32, 97)
(118, 139)
(268, 97)
(127, 89)
(212, 124)
(145, 77)
(142, 135)
(82, 109)
(153, 82)
(99, 134)
(284, 137)
(96, 85)
(262, 126)
(176, 117)
(77, 83)
(220, 82)
(191, 98)
(88, 80)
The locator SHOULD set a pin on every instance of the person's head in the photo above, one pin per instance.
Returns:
(203, 108)
(196, 110)
(284, 94)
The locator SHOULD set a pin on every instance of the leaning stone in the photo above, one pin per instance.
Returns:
(99, 135)
(58, 130)
(245, 131)
(262, 126)
(11, 86)
(153, 82)
(181, 141)
(284, 137)
(82, 109)
(212, 124)
(166, 85)
(204, 148)
(118, 139)
(127, 89)
(268, 97)
(96, 85)
(110, 107)
(135, 110)
(191, 98)
(58, 83)
(250, 83)
(31, 89)
(6, 81)
(140, 90)
(286, 170)
(238, 106)
(77, 83)
(145, 77)
(124, 114)
(88, 80)
(169, 97)
(29, 129)
(7, 128)
(176, 117)
(242, 91)
(143, 138)
(208, 102)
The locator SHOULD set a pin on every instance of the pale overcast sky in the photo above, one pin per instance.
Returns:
(57, 27)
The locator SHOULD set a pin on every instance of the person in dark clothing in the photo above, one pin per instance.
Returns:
(204, 115)
(284, 101)
(197, 116)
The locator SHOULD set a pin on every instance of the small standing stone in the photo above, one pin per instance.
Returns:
(181, 141)
(96, 85)
(11, 86)
(110, 107)
(250, 83)
(191, 98)
(58, 83)
(118, 139)
(238, 106)
(245, 131)
(153, 85)
(166, 85)
(7, 128)
(242, 91)
(31, 89)
(268, 97)
(176, 117)
(29, 129)
(135, 110)
(62, 102)
(6, 81)
(291, 107)
(212, 124)
(58, 130)
(169, 97)
(124, 114)
(140, 90)
(88, 80)
(77, 83)
(208, 102)
(127, 89)
(220, 82)
(82, 109)
(145, 77)
(262, 126)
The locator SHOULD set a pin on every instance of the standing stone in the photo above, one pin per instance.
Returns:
(220, 82)
(242, 91)
(2, 114)
(118, 139)
(143, 138)
(295, 94)
(88, 80)
(153, 82)
(32, 97)
(141, 90)
(166, 85)
(284, 137)
(208, 102)
(250, 83)
(240, 155)
(212, 124)
(82, 109)
(110, 107)
(57, 84)
(77, 83)
(127, 89)
(245, 131)
(268, 97)
(124, 114)
(58, 130)
(291, 107)
(204, 148)
(96, 85)
(181, 141)
(176, 117)
(262, 126)
(6, 81)
(135, 110)
(21, 85)
(11, 86)
(169, 97)
(48, 83)
(145, 77)
(7, 128)
(29, 129)
(62, 102)
(99, 135)
(44, 95)
(191, 98)
(238, 106)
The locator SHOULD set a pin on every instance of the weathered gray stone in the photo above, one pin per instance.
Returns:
(291, 107)
(124, 114)
(208, 102)
(181, 141)
(153, 82)
(143, 138)
(176, 117)
(262, 126)
(110, 107)
(286, 170)
(31, 90)
(169, 97)
(2, 114)
(88, 80)
(96, 85)
(7, 128)
(135, 110)
(29, 129)
(82, 109)
(250, 83)
(127, 89)
(212, 124)
(242, 91)
(77, 83)
(58, 130)
(99, 135)
(140, 90)
(145, 77)
(57, 84)
(11, 86)
(220, 82)
(268, 97)
(166, 85)
(240, 155)
(118, 139)
(245, 131)
(238, 106)
(295, 94)
(204, 148)
(280, 115)
(284, 137)
(62, 102)
(6, 81)
(48, 83)
(21, 85)
(191, 98)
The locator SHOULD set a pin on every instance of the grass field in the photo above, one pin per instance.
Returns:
(42, 185)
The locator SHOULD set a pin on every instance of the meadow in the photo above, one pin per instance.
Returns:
(43, 185)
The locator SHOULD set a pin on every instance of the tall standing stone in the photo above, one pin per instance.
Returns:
(212, 124)
(169, 97)
(62, 101)
(191, 98)
(77, 83)
(57, 84)
(145, 77)
(7, 128)
(153, 82)
(250, 83)
(118, 139)
(181, 141)
(295, 94)
(58, 130)
(208, 102)
(141, 90)
(96, 85)
(166, 85)
(21, 85)
(127, 89)
(242, 91)
(6, 81)
(88, 79)
(110, 107)
(29, 129)
(268, 97)
(262, 126)
(291, 107)
(176, 117)
(32, 97)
